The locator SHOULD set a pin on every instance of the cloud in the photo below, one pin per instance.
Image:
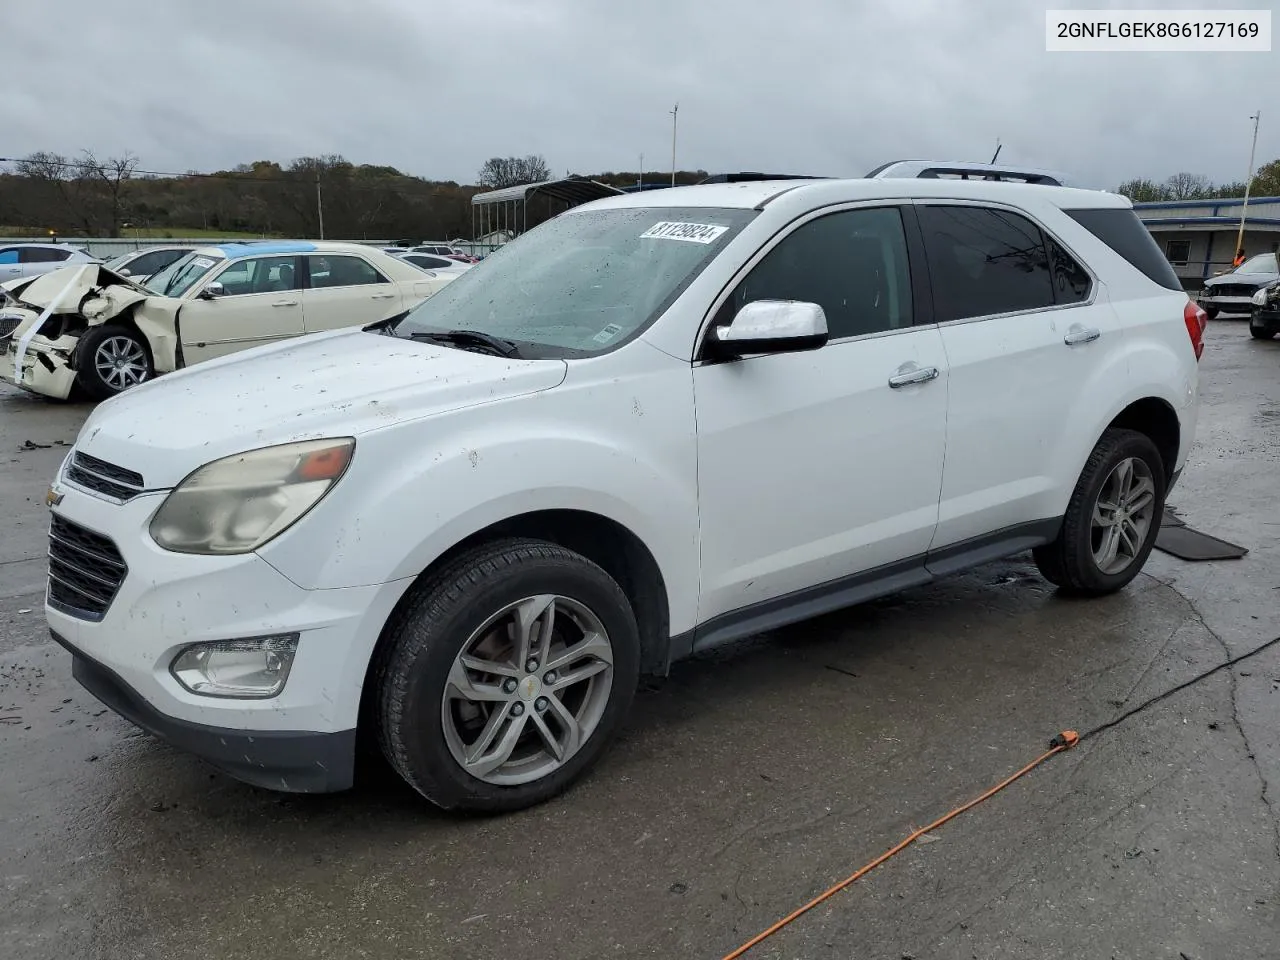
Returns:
(830, 87)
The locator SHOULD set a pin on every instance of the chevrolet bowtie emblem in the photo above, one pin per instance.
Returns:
(53, 497)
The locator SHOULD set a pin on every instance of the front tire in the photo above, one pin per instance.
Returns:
(1211, 313)
(505, 676)
(1260, 333)
(111, 359)
(1112, 520)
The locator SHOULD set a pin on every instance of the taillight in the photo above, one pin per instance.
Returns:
(1196, 320)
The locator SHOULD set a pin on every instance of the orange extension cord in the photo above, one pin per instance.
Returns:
(1063, 741)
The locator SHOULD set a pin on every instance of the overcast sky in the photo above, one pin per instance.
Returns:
(832, 87)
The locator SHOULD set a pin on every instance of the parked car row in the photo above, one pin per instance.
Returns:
(101, 331)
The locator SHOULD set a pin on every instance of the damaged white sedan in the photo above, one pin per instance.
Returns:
(89, 330)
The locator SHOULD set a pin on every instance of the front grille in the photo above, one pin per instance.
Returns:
(8, 325)
(1231, 290)
(85, 570)
(94, 474)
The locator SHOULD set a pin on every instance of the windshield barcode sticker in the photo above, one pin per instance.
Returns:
(202, 262)
(691, 232)
(607, 334)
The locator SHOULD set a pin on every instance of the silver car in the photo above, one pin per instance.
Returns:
(140, 264)
(19, 260)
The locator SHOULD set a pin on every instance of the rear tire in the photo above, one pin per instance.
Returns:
(1112, 520)
(459, 713)
(112, 358)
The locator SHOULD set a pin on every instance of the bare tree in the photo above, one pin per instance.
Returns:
(58, 173)
(499, 172)
(111, 174)
(1187, 186)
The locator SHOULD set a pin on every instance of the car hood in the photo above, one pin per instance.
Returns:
(1242, 279)
(341, 383)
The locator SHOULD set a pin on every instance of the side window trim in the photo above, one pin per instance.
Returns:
(1046, 234)
(913, 237)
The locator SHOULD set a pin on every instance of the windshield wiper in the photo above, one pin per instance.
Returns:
(471, 338)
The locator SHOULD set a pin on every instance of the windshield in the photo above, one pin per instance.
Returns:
(1262, 263)
(181, 275)
(581, 283)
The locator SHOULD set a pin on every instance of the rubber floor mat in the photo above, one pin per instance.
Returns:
(1187, 544)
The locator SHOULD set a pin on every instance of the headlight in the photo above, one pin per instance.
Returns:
(247, 669)
(1260, 297)
(238, 503)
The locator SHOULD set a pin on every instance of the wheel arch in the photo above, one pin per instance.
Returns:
(1156, 419)
(604, 541)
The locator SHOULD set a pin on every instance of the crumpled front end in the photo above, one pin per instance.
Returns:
(42, 320)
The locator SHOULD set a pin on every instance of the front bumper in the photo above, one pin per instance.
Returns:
(302, 739)
(1225, 304)
(44, 370)
(285, 760)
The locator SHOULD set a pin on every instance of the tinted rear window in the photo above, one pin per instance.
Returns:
(1122, 231)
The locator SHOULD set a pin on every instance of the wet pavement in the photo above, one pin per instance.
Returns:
(745, 783)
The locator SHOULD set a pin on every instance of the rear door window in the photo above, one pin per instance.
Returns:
(984, 262)
(1121, 230)
(42, 255)
(336, 270)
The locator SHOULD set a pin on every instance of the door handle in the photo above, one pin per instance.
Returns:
(285, 303)
(382, 296)
(922, 375)
(1081, 336)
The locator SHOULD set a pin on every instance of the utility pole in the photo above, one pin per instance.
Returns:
(674, 112)
(640, 179)
(319, 205)
(1248, 182)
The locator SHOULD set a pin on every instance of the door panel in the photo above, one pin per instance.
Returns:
(346, 290)
(262, 302)
(1013, 378)
(811, 467)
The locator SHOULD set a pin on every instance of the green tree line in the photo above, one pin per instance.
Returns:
(1195, 186)
(114, 196)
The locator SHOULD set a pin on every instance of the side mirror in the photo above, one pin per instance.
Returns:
(126, 272)
(212, 291)
(770, 326)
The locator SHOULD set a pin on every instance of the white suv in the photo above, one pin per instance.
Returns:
(651, 425)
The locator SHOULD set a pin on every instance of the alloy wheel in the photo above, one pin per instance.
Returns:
(527, 690)
(121, 362)
(1122, 515)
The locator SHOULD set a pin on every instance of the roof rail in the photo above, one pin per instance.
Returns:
(751, 175)
(936, 170)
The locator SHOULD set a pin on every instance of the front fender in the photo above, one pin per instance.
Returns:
(466, 473)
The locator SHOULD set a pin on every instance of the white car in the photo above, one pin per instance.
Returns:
(138, 265)
(18, 260)
(104, 333)
(649, 426)
(434, 264)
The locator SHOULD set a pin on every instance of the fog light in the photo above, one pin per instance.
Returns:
(244, 669)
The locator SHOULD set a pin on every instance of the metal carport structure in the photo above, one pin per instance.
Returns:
(507, 210)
